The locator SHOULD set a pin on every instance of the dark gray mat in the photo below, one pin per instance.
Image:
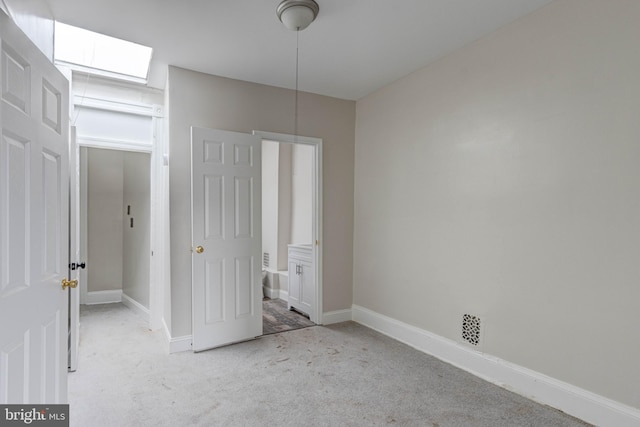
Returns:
(276, 318)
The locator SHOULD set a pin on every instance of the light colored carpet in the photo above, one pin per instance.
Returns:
(340, 375)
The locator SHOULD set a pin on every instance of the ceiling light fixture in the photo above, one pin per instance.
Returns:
(296, 15)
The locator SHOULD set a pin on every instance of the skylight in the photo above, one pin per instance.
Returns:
(96, 53)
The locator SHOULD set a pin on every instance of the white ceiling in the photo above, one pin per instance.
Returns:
(352, 49)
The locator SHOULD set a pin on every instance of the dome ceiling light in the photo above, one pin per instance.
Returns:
(296, 15)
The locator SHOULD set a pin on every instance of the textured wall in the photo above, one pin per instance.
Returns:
(503, 181)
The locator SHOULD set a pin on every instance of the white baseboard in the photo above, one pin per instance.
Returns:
(167, 335)
(134, 305)
(283, 295)
(337, 316)
(178, 344)
(275, 293)
(270, 292)
(568, 398)
(103, 297)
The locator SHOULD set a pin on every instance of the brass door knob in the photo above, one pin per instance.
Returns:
(69, 283)
(199, 249)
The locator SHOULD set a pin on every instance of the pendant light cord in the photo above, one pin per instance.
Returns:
(295, 121)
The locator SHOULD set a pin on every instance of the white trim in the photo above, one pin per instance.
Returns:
(134, 305)
(139, 109)
(317, 207)
(285, 137)
(270, 292)
(338, 316)
(84, 216)
(103, 297)
(176, 345)
(113, 144)
(158, 213)
(275, 293)
(167, 336)
(568, 398)
(83, 69)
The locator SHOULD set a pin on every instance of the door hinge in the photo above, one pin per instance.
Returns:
(76, 265)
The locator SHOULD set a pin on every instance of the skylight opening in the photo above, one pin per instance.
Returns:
(96, 53)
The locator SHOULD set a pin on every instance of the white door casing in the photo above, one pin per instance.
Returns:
(137, 127)
(74, 249)
(34, 201)
(226, 223)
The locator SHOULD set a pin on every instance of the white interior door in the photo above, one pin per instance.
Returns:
(226, 237)
(34, 191)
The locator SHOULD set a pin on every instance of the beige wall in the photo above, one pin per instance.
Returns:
(196, 99)
(301, 194)
(118, 255)
(284, 204)
(504, 181)
(270, 197)
(136, 250)
(104, 219)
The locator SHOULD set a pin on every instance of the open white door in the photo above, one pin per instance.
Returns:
(34, 243)
(226, 237)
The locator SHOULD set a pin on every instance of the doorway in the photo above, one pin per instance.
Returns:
(123, 127)
(292, 226)
(115, 194)
(226, 185)
(287, 219)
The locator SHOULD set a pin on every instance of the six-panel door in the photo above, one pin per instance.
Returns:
(33, 222)
(226, 225)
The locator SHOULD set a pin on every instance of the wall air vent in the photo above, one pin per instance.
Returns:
(265, 259)
(471, 329)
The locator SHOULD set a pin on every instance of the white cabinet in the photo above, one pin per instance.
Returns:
(302, 289)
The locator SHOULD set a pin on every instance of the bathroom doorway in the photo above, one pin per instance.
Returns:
(290, 218)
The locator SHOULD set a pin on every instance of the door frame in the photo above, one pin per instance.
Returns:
(316, 143)
(158, 202)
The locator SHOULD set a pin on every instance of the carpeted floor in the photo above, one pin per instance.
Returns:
(277, 318)
(340, 375)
